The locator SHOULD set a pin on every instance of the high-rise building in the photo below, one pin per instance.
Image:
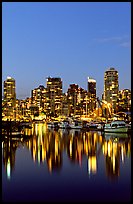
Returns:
(9, 89)
(54, 95)
(92, 93)
(65, 105)
(92, 87)
(111, 87)
(9, 97)
(72, 94)
(38, 96)
(124, 100)
(76, 99)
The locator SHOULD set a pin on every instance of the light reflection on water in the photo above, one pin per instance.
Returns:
(106, 156)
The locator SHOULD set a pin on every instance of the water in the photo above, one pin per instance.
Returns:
(63, 166)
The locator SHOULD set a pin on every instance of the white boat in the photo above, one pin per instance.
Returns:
(117, 126)
(100, 126)
(75, 125)
(64, 124)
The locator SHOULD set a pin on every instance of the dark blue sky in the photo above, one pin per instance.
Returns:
(67, 40)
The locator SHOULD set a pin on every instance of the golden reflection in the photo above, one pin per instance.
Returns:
(122, 154)
(8, 169)
(47, 146)
(70, 147)
(115, 149)
(8, 153)
(92, 165)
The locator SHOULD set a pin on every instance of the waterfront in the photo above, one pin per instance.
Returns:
(66, 165)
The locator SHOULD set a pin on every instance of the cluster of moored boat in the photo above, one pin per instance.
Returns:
(117, 126)
(114, 126)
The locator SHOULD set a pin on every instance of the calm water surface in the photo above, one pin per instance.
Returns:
(64, 165)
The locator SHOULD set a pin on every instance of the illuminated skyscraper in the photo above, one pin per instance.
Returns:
(9, 95)
(72, 94)
(54, 95)
(92, 87)
(76, 100)
(124, 99)
(92, 93)
(38, 96)
(9, 89)
(111, 87)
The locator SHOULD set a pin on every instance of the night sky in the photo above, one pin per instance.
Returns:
(68, 40)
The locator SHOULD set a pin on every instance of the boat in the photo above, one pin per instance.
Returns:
(100, 126)
(64, 124)
(92, 125)
(117, 126)
(85, 124)
(75, 124)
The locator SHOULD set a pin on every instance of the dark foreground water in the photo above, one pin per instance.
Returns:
(61, 166)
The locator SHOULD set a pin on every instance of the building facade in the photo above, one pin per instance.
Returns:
(54, 96)
(9, 97)
(72, 95)
(111, 88)
(76, 99)
(124, 100)
(38, 96)
(92, 93)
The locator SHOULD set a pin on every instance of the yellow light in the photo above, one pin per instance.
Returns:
(92, 164)
(113, 163)
(122, 154)
(8, 169)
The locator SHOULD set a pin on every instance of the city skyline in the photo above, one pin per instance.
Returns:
(55, 39)
(45, 86)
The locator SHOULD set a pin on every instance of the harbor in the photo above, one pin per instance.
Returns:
(11, 128)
